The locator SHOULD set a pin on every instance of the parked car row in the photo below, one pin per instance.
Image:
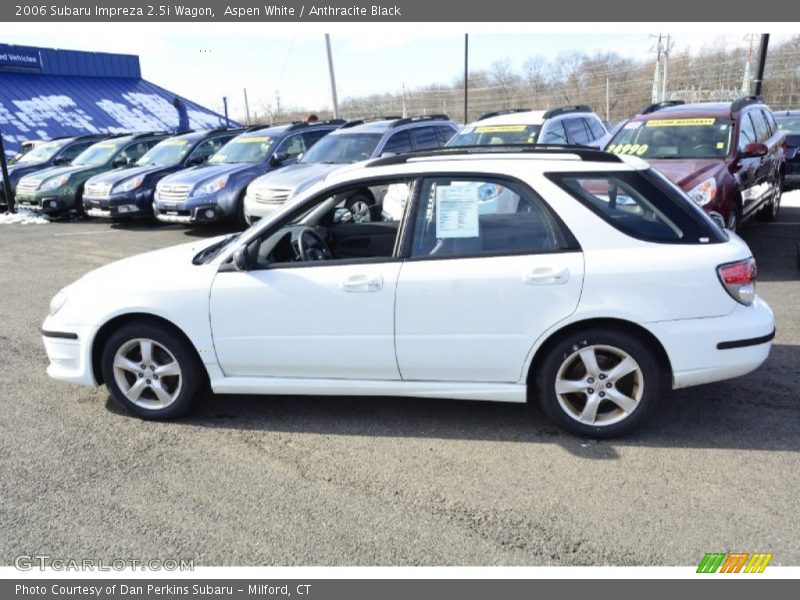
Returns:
(733, 159)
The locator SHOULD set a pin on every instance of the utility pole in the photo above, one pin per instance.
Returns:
(657, 75)
(405, 114)
(466, 76)
(608, 111)
(667, 49)
(225, 106)
(6, 183)
(334, 98)
(246, 109)
(762, 61)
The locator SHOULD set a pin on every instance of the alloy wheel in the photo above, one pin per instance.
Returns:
(147, 373)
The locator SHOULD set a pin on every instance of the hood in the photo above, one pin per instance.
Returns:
(687, 172)
(117, 175)
(22, 169)
(296, 175)
(65, 170)
(202, 173)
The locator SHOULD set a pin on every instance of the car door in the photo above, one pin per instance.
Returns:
(758, 167)
(489, 271)
(326, 319)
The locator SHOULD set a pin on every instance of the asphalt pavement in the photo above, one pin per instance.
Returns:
(384, 481)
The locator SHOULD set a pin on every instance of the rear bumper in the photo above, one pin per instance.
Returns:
(718, 348)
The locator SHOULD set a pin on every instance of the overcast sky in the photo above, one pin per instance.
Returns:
(206, 61)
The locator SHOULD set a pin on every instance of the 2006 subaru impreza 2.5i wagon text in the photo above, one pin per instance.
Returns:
(582, 279)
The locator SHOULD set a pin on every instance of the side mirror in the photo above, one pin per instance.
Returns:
(240, 259)
(120, 161)
(755, 149)
(277, 159)
(342, 215)
(61, 160)
(196, 160)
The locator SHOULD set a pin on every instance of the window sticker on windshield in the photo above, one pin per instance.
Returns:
(632, 125)
(174, 143)
(500, 128)
(457, 211)
(252, 140)
(637, 149)
(678, 122)
(720, 145)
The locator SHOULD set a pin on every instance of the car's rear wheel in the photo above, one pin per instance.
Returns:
(151, 370)
(599, 382)
(770, 211)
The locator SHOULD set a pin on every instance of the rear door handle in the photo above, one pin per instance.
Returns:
(363, 283)
(546, 276)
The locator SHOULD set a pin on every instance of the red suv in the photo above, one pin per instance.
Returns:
(728, 157)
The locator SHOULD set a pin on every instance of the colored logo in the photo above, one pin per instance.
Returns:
(734, 562)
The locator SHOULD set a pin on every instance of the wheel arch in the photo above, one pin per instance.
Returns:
(110, 326)
(629, 327)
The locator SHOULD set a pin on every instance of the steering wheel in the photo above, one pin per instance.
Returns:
(704, 148)
(311, 246)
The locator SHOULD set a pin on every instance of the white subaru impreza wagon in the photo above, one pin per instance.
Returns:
(594, 287)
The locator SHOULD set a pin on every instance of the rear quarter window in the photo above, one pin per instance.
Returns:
(640, 204)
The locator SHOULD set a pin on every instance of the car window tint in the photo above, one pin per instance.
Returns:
(555, 134)
(72, 151)
(473, 217)
(398, 143)
(207, 148)
(293, 146)
(312, 137)
(762, 130)
(747, 132)
(773, 125)
(596, 128)
(425, 138)
(137, 150)
(446, 133)
(576, 131)
(642, 204)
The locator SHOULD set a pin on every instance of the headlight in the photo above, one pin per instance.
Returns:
(489, 191)
(129, 184)
(704, 192)
(212, 186)
(53, 183)
(57, 302)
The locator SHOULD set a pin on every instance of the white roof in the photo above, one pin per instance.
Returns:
(529, 117)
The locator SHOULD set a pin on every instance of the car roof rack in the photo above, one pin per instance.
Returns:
(142, 134)
(301, 124)
(223, 129)
(357, 122)
(659, 105)
(740, 103)
(563, 110)
(498, 113)
(583, 152)
(408, 120)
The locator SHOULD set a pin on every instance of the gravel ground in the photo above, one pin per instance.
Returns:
(387, 481)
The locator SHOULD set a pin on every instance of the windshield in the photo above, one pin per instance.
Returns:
(786, 123)
(96, 155)
(484, 135)
(243, 149)
(41, 152)
(674, 138)
(168, 152)
(344, 148)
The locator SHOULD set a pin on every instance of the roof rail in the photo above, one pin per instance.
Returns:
(221, 129)
(497, 113)
(740, 103)
(407, 120)
(583, 152)
(250, 128)
(357, 122)
(659, 105)
(140, 134)
(562, 110)
(301, 124)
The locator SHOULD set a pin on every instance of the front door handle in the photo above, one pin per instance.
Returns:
(363, 283)
(546, 276)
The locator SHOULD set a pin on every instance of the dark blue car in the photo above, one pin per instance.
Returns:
(127, 193)
(54, 153)
(215, 190)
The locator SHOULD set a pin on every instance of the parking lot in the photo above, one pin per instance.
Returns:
(364, 481)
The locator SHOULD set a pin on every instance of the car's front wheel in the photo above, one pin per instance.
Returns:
(599, 382)
(151, 370)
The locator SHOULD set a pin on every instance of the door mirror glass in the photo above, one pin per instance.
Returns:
(278, 159)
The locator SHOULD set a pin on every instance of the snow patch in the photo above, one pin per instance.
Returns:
(23, 217)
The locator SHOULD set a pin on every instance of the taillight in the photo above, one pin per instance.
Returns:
(739, 280)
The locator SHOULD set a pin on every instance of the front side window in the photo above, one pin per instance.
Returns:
(640, 205)
(425, 138)
(474, 217)
(762, 129)
(71, 152)
(207, 149)
(397, 144)
(292, 147)
(674, 137)
(747, 133)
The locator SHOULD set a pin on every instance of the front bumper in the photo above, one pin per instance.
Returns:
(48, 203)
(119, 206)
(195, 210)
(717, 348)
(69, 352)
(255, 209)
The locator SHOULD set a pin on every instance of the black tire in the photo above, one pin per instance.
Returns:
(241, 222)
(735, 213)
(648, 382)
(364, 197)
(192, 374)
(770, 211)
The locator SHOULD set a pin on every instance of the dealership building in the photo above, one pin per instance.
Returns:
(47, 93)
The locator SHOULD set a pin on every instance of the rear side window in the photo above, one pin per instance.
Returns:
(445, 133)
(762, 129)
(641, 205)
(398, 143)
(577, 131)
